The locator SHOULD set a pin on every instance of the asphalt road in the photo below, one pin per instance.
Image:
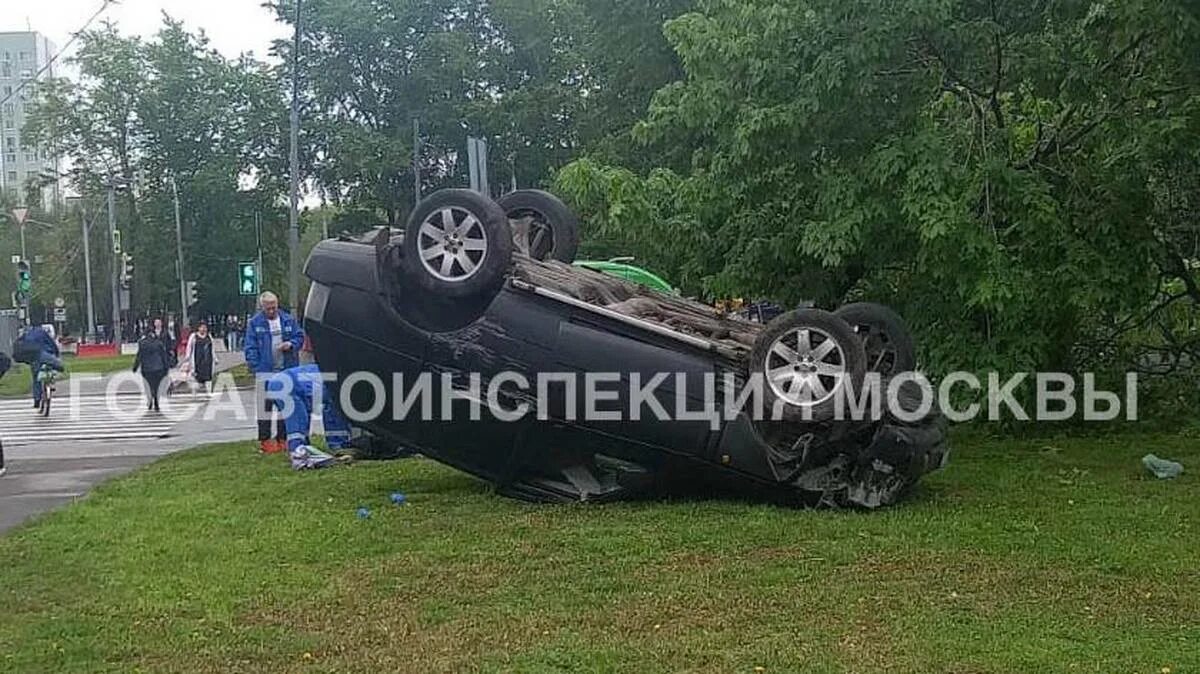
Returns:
(87, 440)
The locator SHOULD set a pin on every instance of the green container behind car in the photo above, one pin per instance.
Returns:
(629, 273)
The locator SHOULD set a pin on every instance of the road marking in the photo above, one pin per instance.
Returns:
(89, 418)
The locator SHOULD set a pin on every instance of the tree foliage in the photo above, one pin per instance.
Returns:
(539, 79)
(150, 116)
(1001, 172)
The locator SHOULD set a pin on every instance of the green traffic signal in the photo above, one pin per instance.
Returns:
(247, 278)
(24, 278)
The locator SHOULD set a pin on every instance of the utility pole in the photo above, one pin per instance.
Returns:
(416, 161)
(294, 213)
(258, 239)
(116, 265)
(21, 214)
(87, 275)
(183, 298)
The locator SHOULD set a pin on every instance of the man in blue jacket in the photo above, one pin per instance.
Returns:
(273, 342)
(37, 347)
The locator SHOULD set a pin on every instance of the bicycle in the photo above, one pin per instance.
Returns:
(46, 377)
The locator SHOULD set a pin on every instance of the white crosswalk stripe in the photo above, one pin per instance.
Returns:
(93, 418)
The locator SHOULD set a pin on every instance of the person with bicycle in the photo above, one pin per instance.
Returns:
(38, 349)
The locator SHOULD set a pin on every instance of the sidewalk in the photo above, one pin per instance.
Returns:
(45, 476)
(89, 384)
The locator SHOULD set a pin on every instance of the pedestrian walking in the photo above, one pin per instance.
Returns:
(273, 342)
(160, 332)
(153, 361)
(200, 356)
(231, 333)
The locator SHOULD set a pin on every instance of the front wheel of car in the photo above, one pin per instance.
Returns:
(544, 228)
(808, 359)
(457, 244)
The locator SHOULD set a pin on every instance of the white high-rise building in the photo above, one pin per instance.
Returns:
(24, 57)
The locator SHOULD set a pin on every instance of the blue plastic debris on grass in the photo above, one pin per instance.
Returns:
(399, 498)
(363, 513)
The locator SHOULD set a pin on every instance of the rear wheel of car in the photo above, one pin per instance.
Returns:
(885, 337)
(544, 228)
(808, 359)
(457, 244)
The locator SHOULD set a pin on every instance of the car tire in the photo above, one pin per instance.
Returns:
(553, 233)
(803, 377)
(457, 245)
(886, 339)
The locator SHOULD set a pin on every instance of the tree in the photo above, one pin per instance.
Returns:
(990, 168)
(541, 80)
(145, 114)
(368, 69)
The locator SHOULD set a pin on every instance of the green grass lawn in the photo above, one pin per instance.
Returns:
(1030, 556)
(242, 376)
(16, 382)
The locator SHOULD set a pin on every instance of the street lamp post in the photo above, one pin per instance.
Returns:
(115, 327)
(183, 298)
(294, 213)
(87, 274)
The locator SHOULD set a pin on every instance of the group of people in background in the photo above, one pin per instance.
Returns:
(158, 354)
(230, 328)
(273, 341)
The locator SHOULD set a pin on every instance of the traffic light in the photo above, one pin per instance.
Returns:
(24, 283)
(24, 277)
(247, 278)
(126, 270)
(193, 293)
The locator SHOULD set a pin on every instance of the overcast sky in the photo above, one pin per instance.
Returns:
(233, 26)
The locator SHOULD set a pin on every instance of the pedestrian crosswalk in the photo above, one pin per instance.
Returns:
(94, 418)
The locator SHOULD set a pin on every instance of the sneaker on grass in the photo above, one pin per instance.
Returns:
(307, 457)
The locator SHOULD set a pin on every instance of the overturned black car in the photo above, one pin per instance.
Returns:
(475, 295)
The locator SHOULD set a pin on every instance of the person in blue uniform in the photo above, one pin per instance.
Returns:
(300, 384)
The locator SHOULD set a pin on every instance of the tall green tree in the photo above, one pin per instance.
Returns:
(541, 80)
(152, 116)
(368, 69)
(996, 170)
